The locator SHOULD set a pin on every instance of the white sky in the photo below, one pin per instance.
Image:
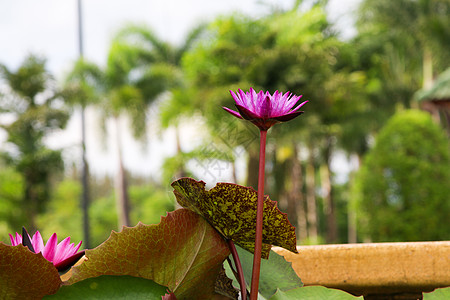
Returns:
(49, 28)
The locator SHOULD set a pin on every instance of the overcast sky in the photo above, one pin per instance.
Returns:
(49, 28)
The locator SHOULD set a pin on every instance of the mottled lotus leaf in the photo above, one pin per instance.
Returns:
(26, 275)
(183, 252)
(231, 209)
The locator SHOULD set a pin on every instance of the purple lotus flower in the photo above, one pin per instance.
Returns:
(62, 255)
(265, 110)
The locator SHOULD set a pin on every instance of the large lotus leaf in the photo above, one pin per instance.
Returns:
(26, 275)
(231, 209)
(182, 252)
(111, 288)
(313, 293)
(276, 273)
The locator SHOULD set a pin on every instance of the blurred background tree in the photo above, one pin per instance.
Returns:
(35, 112)
(402, 187)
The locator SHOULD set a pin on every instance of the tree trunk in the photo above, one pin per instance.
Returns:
(311, 198)
(447, 119)
(351, 213)
(85, 183)
(329, 205)
(85, 170)
(122, 200)
(296, 202)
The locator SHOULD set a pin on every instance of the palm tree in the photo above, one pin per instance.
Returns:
(81, 88)
(165, 73)
(140, 68)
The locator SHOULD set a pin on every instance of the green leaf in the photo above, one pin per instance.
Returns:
(276, 273)
(231, 209)
(438, 294)
(111, 287)
(26, 275)
(182, 252)
(313, 293)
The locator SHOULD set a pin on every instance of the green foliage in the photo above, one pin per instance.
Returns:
(438, 294)
(179, 105)
(29, 80)
(103, 218)
(83, 84)
(149, 203)
(269, 53)
(424, 22)
(313, 293)
(111, 287)
(393, 41)
(402, 188)
(12, 215)
(276, 273)
(63, 214)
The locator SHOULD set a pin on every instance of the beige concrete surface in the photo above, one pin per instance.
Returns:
(374, 268)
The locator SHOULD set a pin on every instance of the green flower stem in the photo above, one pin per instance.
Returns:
(259, 217)
(240, 272)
